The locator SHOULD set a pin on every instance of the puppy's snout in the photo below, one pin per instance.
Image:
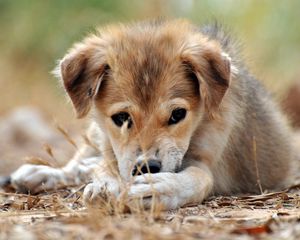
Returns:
(151, 166)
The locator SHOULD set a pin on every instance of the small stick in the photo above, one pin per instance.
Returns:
(66, 135)
(49, 151)
(89, 143)
(256, 166)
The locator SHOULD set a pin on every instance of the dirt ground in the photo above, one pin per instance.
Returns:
(62, 215)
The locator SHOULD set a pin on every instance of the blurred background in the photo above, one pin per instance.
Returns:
(34, 34)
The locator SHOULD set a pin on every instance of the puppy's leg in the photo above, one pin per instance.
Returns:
(35, 178)
(174, 190)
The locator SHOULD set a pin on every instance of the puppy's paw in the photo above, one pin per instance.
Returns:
(36, 178)
(164, 189)
(100, 190)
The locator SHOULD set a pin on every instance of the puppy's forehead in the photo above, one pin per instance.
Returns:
(142, 72)
(141, 55)
(146, 66)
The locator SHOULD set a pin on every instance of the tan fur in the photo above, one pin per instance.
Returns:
(151, 68)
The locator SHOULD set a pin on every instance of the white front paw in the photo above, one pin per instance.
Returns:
(160, 188)
(100, 190)
(36, 178)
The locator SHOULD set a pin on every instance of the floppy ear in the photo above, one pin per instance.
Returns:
(213, 71)
(82, 71)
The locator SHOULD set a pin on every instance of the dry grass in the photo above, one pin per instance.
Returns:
(61, 214)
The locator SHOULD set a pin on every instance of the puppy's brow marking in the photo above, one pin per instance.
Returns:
(176, 102)
(118, 107)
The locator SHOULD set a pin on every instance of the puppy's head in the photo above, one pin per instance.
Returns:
(150, 85)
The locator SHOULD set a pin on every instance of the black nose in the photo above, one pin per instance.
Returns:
(141, 168)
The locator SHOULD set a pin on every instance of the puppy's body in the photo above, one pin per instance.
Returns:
(168, 94)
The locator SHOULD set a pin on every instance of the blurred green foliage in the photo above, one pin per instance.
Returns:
(34, 33)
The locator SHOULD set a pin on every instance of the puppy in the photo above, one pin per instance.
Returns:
(174, 111)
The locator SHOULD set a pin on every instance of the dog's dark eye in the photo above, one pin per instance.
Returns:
(177, 115)
(120, 118)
